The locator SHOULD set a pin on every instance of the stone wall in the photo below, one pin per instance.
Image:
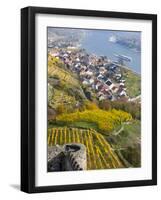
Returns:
(69, 157)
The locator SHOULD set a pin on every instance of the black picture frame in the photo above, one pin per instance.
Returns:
(28, 98)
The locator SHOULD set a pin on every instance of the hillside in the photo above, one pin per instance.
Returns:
(99, 152)
(127, 143)
(110, 130)
(133, 82)
(104, 121)
(64, 91)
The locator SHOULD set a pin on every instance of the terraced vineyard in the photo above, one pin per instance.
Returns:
(99, 152)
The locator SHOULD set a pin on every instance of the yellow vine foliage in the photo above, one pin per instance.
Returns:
(105, 120)
(100, 155)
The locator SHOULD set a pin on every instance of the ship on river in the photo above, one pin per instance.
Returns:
(123, 57)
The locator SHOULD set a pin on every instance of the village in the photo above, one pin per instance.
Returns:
(99, 75)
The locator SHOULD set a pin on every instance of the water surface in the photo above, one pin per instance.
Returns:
(97, 42)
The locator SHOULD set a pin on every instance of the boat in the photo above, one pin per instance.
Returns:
(123, 57)
(112, 39)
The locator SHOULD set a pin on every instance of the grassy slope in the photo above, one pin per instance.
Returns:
(128, 142)
(81, 124)
(133, 82)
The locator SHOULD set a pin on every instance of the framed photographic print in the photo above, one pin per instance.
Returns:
(88, 99)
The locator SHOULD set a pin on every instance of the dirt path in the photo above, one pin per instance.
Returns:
(119, 131)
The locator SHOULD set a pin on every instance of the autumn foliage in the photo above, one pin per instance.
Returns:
(133, 108)
(105, 120)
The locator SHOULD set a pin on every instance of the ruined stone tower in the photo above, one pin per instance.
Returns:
(68, 157)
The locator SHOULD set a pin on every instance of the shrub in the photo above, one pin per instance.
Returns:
(131, 107)
(91, 106)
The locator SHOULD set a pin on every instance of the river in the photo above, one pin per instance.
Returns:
(97, 42)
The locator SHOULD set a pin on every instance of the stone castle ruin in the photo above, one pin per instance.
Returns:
(69, 157)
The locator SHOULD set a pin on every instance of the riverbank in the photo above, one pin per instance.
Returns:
(100, 77)
(97, 42)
